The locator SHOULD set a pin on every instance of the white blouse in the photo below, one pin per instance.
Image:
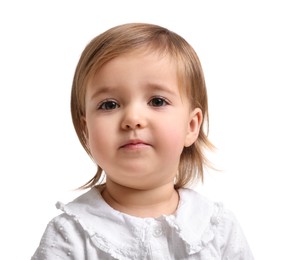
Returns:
(90, 229)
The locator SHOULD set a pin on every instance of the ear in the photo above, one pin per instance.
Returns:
(195, 121)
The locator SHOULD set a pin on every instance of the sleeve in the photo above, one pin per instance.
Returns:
(59, 241)
(235, 244)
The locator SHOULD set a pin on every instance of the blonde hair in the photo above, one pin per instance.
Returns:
(129, 37)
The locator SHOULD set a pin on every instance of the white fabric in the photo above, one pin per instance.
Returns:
(90, 229)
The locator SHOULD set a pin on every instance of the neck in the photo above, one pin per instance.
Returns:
(154, 202)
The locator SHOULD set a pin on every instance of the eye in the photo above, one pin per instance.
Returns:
(158, 102)
(108, 105)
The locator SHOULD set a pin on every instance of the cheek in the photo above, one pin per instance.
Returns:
(99, 136)
(173, 140)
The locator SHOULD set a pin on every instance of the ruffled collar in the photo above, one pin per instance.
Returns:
(194, 224)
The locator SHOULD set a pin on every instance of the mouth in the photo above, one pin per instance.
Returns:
(134, 145)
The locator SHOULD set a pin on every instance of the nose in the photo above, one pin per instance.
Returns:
(133, 118)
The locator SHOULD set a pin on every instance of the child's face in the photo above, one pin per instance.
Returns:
(137, 120)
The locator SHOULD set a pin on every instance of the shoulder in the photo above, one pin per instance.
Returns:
(197, 206)
(59, 238)
(209, 224)
(65, 235)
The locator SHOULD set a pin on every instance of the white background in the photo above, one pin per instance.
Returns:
(240, 44)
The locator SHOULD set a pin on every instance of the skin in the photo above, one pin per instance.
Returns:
(138, 123)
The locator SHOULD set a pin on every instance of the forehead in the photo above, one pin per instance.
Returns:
(141, 64)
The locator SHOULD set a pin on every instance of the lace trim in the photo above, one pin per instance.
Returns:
(194, 247)
(137, 247)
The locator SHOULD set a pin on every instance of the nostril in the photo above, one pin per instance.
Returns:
(129, 126)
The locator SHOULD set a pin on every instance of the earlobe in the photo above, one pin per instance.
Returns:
(194, 124)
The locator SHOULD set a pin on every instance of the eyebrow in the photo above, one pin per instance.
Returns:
(148, 86)
(160, 87)
(104, 90)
